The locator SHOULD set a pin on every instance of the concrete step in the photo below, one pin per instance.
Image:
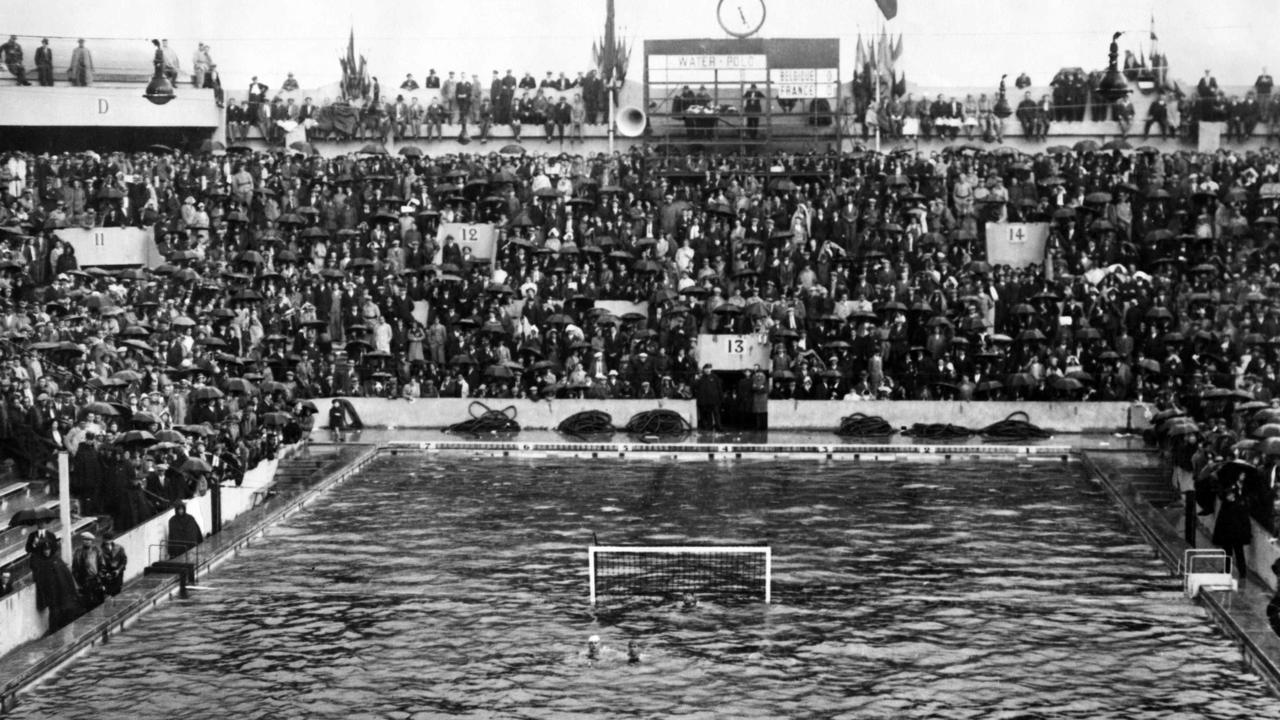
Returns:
(1155, 486)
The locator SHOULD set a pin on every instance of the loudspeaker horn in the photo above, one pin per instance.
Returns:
(631, 121)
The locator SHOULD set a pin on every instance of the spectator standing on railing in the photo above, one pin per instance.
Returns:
(462, 94)
(44, 63)
(1123, 112)
(172, 65)
(200, 64)
(1026, 114)
(448, 96)
(11, 54)
(80, 71)
(1157, 114)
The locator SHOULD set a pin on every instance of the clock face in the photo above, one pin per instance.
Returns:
(741, 18)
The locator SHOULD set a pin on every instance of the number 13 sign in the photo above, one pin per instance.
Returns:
(733, 352)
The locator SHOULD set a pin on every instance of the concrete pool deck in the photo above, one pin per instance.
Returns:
(1128, 471)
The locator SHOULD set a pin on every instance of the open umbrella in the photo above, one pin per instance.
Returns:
(277, 419)
(33, 516)
(195, 465)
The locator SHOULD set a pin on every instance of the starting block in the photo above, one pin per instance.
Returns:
(1206, 570)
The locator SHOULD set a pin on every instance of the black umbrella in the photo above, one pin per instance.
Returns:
(32, 516)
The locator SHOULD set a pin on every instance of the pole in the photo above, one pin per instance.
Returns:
(64, 503)
(879, 110)
(611, 118)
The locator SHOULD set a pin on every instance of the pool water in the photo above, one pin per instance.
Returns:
(454, 586)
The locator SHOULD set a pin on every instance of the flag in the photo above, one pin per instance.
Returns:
(888, 7)
(886, 57)
(860, 58)
(1153, 27)
(897, 49)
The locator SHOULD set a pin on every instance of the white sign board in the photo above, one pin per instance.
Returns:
(734, 352)
(1017, 244)
(112, 246)
(1209, 136)
(619, 308)
(481, 238)
(804, 83)
(707, 62)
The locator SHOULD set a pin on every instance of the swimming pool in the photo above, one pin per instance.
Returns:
(453, 586)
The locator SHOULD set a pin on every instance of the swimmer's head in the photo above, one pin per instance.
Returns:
(633, 651)
(690, 600)
(593, 640)
(593, 646)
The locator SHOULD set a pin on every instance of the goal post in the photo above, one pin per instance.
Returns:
(743, 571)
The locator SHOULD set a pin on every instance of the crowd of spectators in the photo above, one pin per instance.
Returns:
(1073, 96)
(290, 276)
(556, 104)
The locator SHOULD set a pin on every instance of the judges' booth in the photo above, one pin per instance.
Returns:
(734, 358)
(745, 94)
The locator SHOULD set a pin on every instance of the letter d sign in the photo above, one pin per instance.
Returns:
(103, 106)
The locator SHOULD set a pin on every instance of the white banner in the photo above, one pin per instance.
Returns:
(481, 238)
(734, 352)
(112, 246)
(622, 307)
(1017, 244)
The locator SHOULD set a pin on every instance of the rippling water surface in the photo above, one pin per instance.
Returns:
(456, 587)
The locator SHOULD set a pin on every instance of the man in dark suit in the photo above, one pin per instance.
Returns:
(1157, 114)
(1262, 85)
(495, 98)
(752, 106)
(1026, 114)
(708, 394)
(44, 63)
(592, 97)
(462, 97)
(1206, 91)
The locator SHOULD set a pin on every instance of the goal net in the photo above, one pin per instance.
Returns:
(737, 571)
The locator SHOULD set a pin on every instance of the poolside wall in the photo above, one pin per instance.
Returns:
(20, 622)
(1062, 417)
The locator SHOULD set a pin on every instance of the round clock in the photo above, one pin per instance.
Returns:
(741, 18)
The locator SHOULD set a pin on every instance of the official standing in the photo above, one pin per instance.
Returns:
(708, 393)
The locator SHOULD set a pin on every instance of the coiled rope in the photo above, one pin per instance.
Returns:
(860, 425)
(488, 422)
(588, 423)
(659, 423)
(1015, 427)
(937, 431)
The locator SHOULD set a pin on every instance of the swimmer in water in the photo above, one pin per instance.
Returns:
(690, 602)
(633, 653)
(593, 647)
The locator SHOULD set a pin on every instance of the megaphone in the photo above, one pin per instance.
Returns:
(631, 121)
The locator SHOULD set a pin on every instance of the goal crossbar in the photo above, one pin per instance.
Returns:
(675, 568)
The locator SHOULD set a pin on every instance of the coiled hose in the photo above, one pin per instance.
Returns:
(860, 425)
(488, 422)
(660, 423)
(937, 431)
(587, 423)
(1015, 427)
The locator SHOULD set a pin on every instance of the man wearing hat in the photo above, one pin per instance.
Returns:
(114, 561)
(86, 569)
